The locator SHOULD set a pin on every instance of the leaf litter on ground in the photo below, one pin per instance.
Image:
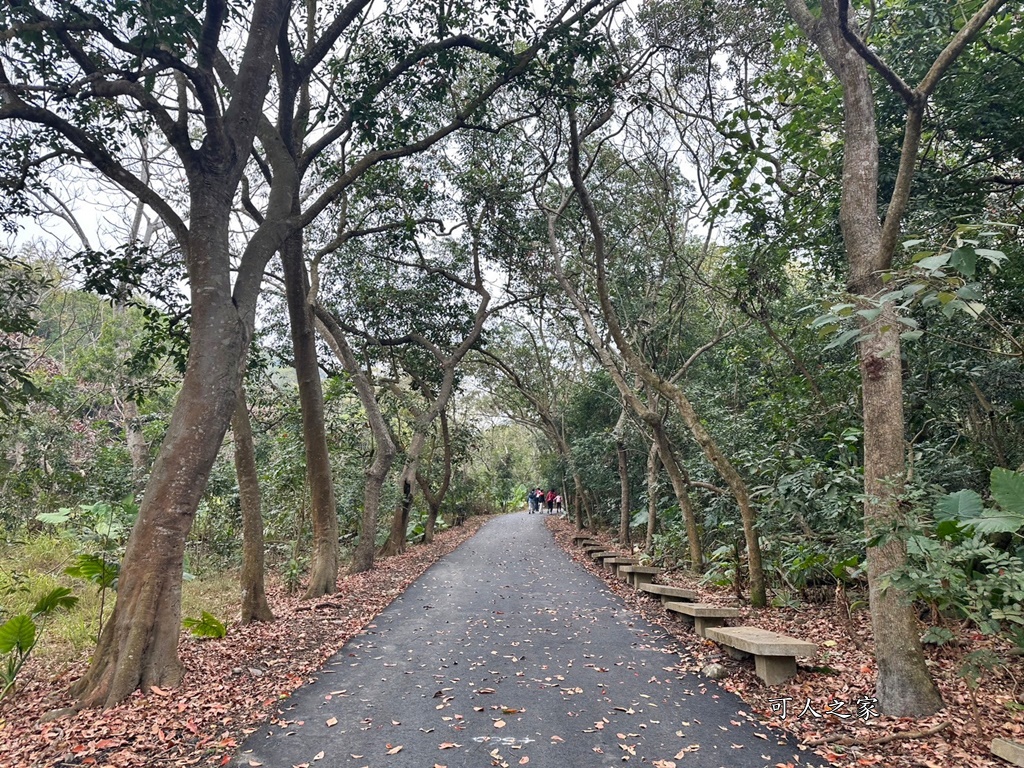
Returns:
(232, 685)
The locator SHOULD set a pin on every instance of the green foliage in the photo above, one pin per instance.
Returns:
(20, 634)
(20, 286)
(207, 625)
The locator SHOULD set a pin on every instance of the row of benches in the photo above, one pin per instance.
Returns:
(774, 653)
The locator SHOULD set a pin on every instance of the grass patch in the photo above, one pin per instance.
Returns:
(34, 566)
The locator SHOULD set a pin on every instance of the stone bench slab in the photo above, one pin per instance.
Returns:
(704, 610)
(1011, 751)
(666, 592)
(761, 642)
(638, 575)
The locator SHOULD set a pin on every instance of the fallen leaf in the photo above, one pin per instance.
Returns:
(394, 750)
(319, 755)
(332, 721)
(499, 723)
(524, 760)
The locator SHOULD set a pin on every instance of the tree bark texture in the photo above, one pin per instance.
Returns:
(323, 575)
(254, 594)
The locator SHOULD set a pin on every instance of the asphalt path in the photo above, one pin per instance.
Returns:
(507, 653)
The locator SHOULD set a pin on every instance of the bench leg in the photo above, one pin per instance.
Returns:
(702, 623)
(775, 669)
(735, 653)
(642, 578)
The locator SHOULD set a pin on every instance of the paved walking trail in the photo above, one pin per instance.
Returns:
(507, 653)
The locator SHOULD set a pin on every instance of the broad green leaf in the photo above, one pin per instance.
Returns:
(1008, 490)
(998, 522)
(869, 314)
(964, 260)
(933, 262)
(996, 257)
(19, 632)
(962, 505)
(911, 335)
(843, 338)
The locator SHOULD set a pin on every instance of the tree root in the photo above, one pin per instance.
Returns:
(850, 741)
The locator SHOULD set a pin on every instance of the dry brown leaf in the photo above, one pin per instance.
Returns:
(332, 721)
(394, 750)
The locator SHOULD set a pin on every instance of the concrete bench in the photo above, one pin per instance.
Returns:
(638, 575)
(668, 593)
(582, 538)
(703, 616)
(774, 654)
(614, 563)
(600, 554)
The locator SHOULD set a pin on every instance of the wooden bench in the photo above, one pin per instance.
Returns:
(774, 654)
(638, 575)
(703, 616)
(668, 593)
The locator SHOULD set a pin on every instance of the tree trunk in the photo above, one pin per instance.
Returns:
(904, 686)
(138, 448)
(623, 463)
(577, 500)
(653, 465)
(434, 500)
(681, 487)
(395, 544)
(323, 575)
(254, 595)
(384, 454)
(139, 644)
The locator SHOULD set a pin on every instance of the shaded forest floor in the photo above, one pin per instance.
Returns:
(850, 675)
(231, 684)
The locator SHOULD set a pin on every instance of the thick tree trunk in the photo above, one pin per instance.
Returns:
(577, 500)
(139, 644)
(384, 453)
(323, 575)
(254, 594)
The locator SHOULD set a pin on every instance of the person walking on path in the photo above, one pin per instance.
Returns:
(551, 500)
(558, 504)
(531, 500)
(506, 653)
